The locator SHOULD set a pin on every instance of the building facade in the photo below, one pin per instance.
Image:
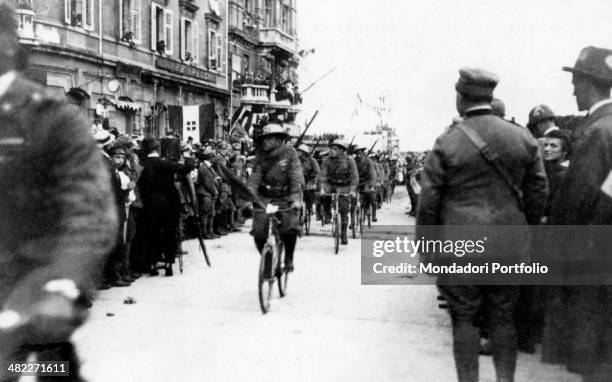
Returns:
(263, 59)
(126, 62)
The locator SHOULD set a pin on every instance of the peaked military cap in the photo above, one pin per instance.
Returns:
(476, 82)
(595, 63)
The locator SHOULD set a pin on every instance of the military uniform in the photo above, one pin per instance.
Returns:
(339, 174)
(311, 171)
(277, 178)
(207, 191)
(459, 187)
(367, 183)
(58, 219)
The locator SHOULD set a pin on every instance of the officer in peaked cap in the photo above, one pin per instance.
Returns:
(478, 195)
(476, 83)
(585, 198)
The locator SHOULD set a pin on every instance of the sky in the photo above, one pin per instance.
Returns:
(410, 51)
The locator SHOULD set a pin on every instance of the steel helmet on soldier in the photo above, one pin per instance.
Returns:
(274, 129)
(540, 113)
(305, 148)
(339, 143)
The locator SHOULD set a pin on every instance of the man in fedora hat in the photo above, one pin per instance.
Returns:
(461, 187)
(57, 216)
(277, 178)
(585, 198)
(161, 204)
(339, 173)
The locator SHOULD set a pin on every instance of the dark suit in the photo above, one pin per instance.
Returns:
(57, 214)
(161, 206)
(581, 201)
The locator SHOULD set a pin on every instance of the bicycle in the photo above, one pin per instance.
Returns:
(336, 220)
(271, 264)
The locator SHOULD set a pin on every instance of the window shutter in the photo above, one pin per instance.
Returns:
(168, 30)
(67, 11)
(212, 50)
(89, 17)
(153, 27)
(135, 26)
(195, 44)
(220, 62)
(183, 38)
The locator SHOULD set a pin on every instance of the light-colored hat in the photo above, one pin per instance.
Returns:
(274, 129)
(305, 148)
(340, 143)
(103, 138)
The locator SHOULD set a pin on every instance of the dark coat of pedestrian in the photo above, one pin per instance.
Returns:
(58, 219)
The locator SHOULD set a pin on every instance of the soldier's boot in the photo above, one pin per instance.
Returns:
(374, 214)
(343, 228)
(232, 222)
(289, 241)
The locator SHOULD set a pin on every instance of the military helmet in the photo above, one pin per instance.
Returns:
(273, 129)
(304, 148)
(540, 113)
(339, 143)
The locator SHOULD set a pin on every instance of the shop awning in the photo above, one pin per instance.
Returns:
(126, 105)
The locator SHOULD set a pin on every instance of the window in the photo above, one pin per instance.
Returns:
(79, 13)
(189, 40)
(268, 13)
(285, 19)
(213, 62)
(161, 29)
(215, 50)
(25, 27)
(130, 21)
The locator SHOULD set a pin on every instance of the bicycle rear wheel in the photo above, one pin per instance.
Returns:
(307, 222)
(336, 231)
(266, 278)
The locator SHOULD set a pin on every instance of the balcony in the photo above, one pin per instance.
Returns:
(252, 94)
(274, 37)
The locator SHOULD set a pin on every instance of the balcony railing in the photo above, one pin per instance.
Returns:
(262, 95)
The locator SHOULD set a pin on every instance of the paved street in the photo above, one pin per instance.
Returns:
(206, 325)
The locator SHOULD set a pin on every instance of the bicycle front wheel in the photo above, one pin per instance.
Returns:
(281, 273)
(266, 278)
